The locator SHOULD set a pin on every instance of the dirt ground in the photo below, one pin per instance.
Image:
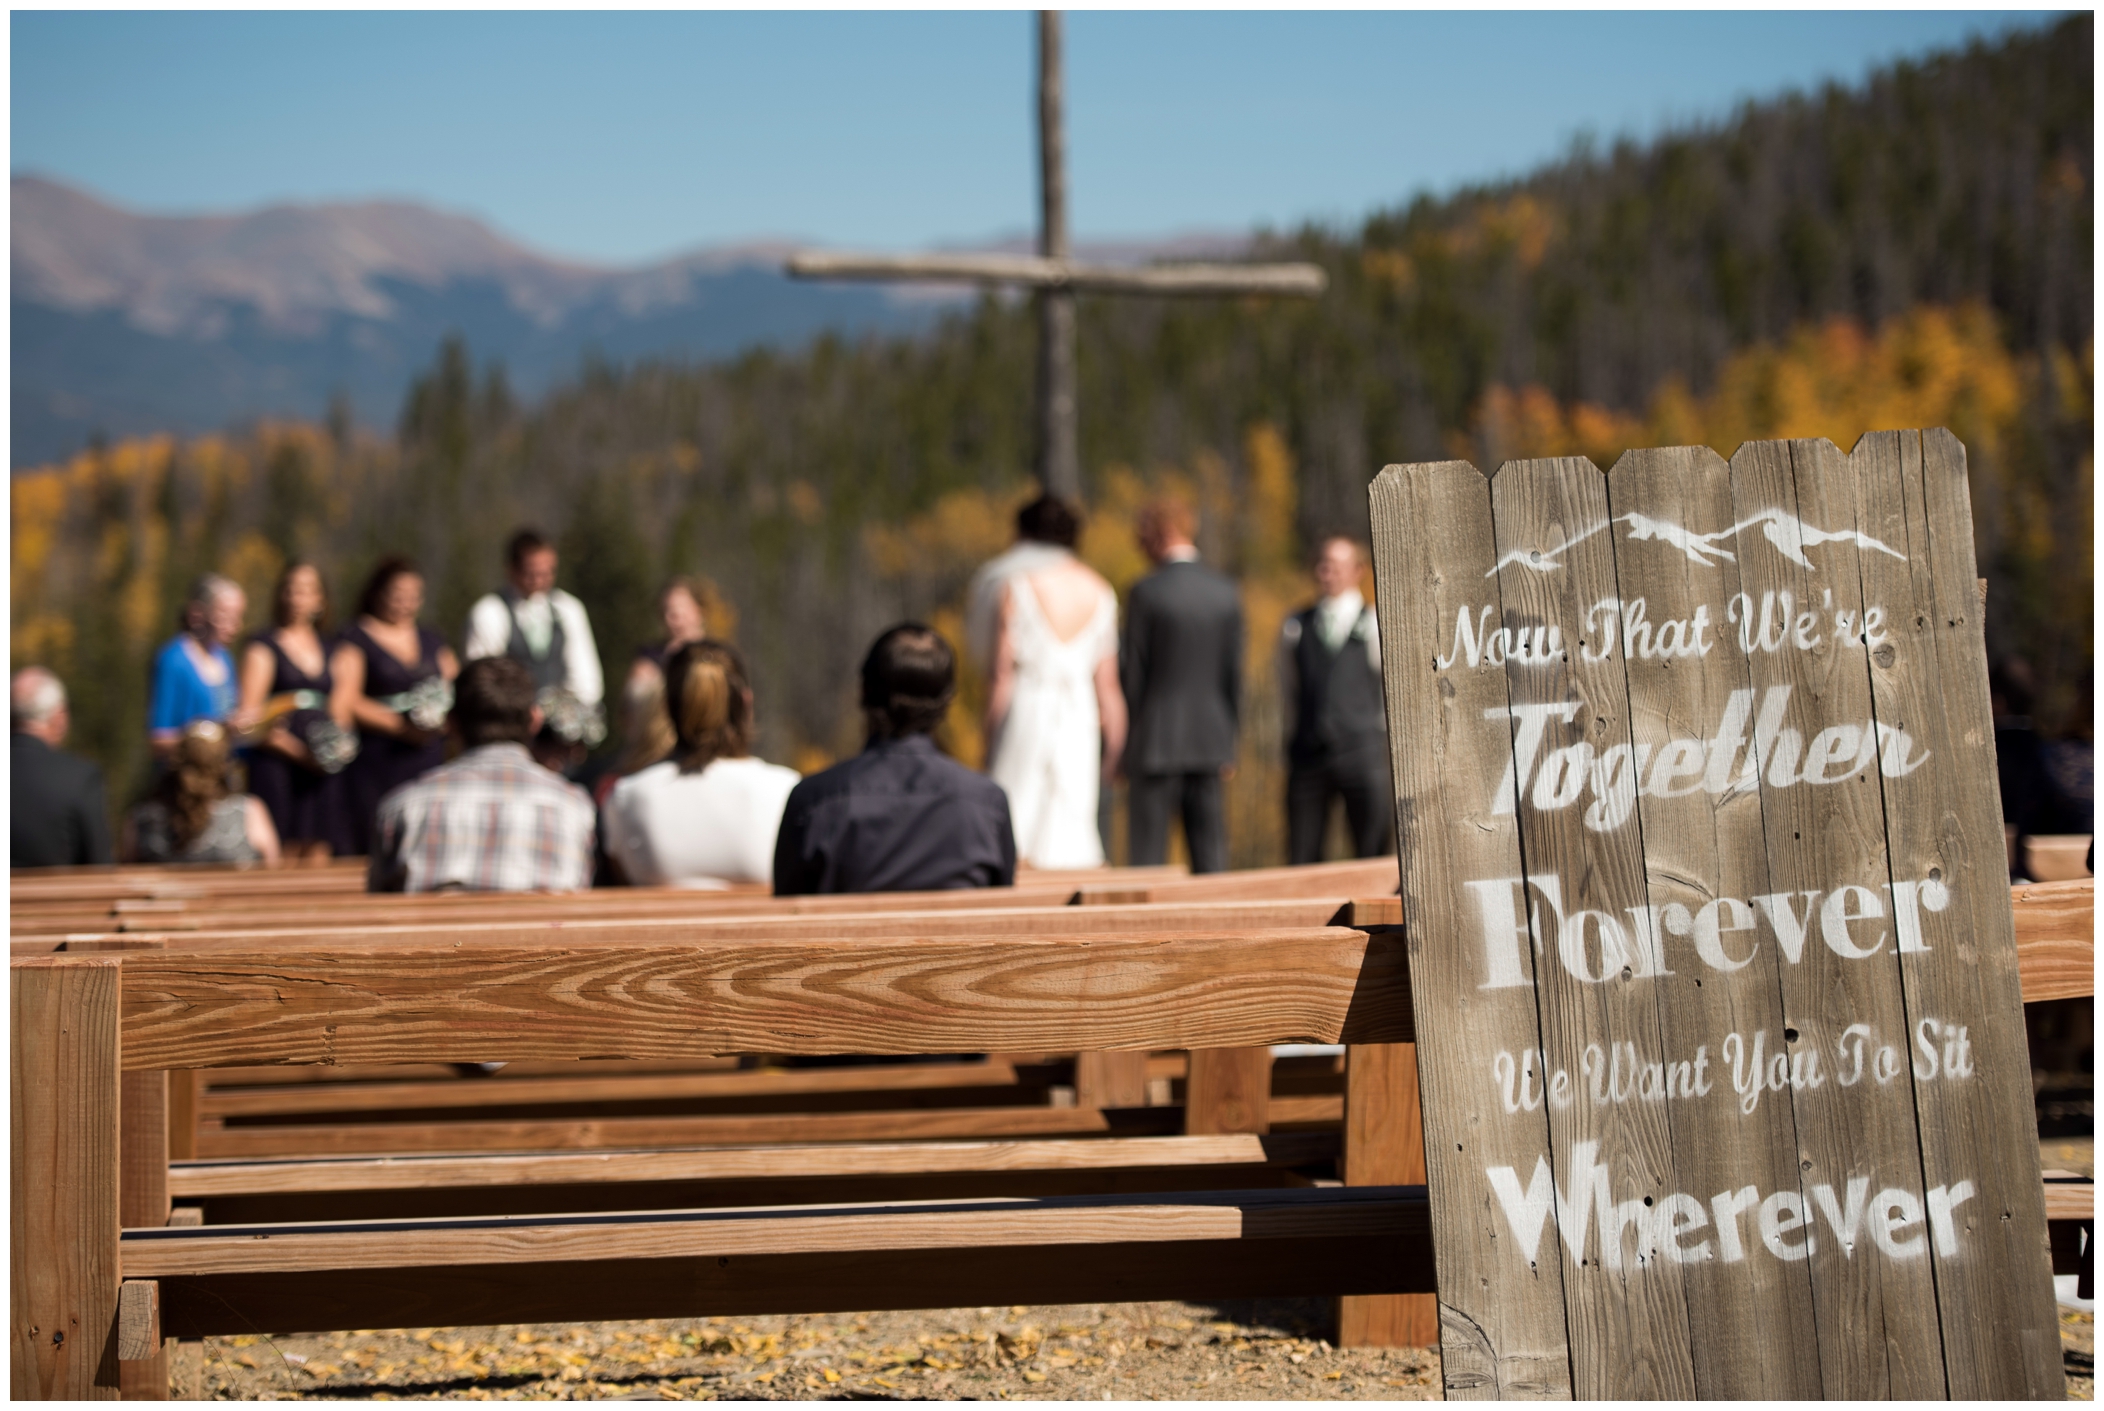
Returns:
(1265, 1350)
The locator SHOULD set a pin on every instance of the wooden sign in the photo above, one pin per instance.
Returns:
(1725, 1085)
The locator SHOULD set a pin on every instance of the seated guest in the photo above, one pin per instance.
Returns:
(707, 816)
(57, 818)
(193, 675)
(194, 816)
(901, 816)
(492, 820)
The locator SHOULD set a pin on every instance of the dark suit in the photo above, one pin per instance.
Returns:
(1339, 744)
(1181, 666)
(902, 816)
(58, 818)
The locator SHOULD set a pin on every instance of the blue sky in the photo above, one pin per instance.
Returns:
(615, 138)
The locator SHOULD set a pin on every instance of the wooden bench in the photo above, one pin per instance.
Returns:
(2054, 949)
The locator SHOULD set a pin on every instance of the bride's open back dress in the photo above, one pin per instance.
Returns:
(1048, 754)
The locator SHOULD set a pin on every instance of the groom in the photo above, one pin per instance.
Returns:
(1181, 666)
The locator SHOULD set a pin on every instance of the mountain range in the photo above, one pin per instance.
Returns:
(127, 324)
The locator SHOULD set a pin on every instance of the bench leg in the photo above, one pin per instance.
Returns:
(1384, 1145)
(64, 1110)
(1111, 1079)
(1228, 1090)
(186, 1091)
(142, 1189)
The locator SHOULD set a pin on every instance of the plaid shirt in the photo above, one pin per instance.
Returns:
(491, 821)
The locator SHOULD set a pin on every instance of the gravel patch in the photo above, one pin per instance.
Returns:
(1261, 1350)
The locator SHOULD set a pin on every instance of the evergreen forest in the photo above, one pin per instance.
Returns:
(1915, 250)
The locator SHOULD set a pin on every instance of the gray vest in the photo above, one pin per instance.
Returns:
(1338, 712)
(551, 669)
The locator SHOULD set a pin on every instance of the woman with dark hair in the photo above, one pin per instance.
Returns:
(298, 749)
(193, 815)
(394, 680)
(1055, 714)
(707, 816)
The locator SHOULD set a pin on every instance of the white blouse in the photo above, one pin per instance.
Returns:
(708, 829)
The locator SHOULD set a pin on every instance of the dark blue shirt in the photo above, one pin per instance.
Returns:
(900, 817)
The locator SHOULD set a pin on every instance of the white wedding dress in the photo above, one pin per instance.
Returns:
(1048, 754)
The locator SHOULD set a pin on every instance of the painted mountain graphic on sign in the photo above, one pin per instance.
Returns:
(1789, 534)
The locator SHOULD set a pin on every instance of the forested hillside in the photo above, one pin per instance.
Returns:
(1916, 251)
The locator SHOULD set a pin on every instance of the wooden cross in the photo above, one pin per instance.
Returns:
(1056, 278)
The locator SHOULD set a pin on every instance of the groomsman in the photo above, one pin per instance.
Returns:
(1181, 665)
(1337, 731)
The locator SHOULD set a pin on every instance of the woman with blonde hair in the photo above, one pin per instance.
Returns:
(194, 816)
(706, 817)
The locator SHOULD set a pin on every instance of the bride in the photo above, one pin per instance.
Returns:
(1055, 718)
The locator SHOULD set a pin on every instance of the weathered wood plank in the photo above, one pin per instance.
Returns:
(63, 1178)
(602, 1133)
(2056, 935)
(962, 1224)
(197, 1181)
(295, 1098)
(1384, 1145)
(456, 925)
(1502, 1328)
(139, 1322)
(1928, 681)
(1629, 1327)
(930, 996)
(1877, 1325)
(821, 1283)
(1700, 844)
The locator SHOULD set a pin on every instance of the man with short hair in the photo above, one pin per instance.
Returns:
(57, 817)
(492, 820)
(1181, 665)
(901, 816)
(1337, 724)
(545, 630)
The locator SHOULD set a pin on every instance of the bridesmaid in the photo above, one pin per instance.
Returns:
(293, 767)
(394, 679)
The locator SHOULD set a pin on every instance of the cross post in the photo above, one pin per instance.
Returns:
(1055, 278)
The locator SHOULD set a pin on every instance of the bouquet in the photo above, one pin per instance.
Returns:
(570, 719)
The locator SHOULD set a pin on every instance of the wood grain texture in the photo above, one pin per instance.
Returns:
(139, 1322)
(583, 1134)
(63, 1108)
(1332, 881)
(821, 1283)
(496, 926)
(1502, 1329)
(193, 1181)
(962, 1224)
(1628, 1326)
(1877, 1325)
(1116, 1079)
(1384, 1145)
(1929, 679)
(1228, 1090)
(2056, 939)
(186, 1088)
(944, 995)
(2070, 1200)
(297, 1098)
(1699, 846)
